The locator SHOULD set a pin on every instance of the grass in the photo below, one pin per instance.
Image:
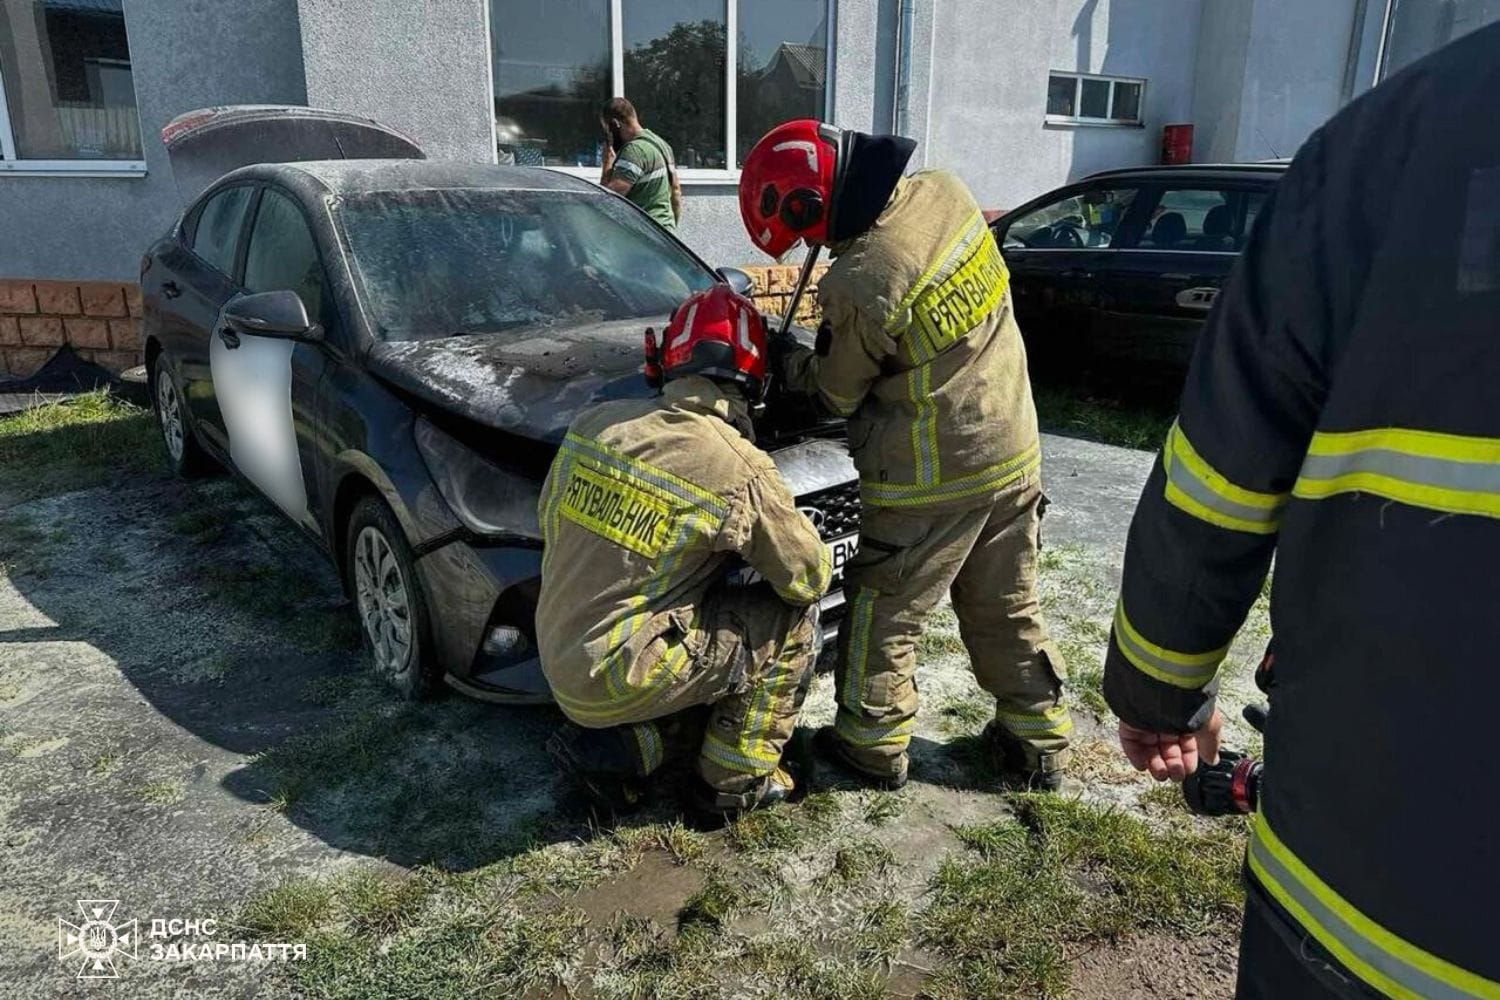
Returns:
(1129, 424)
(1064, 874)
(292, 598)
(23, 546)
(87, 441)
(162, 793)
(858, 861)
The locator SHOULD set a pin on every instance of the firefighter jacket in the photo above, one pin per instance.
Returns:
(925, 358)
(643, 511)
(1341, 411)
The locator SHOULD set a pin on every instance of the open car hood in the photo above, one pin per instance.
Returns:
(206, 144)
(531, 385)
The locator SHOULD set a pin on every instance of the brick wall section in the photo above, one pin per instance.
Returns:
(101, 320)
(773, 287)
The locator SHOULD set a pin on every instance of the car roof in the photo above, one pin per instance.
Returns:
(1263, 170)
(361, 176)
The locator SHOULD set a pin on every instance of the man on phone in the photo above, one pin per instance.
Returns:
(638, 164)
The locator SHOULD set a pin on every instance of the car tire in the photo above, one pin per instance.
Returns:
(185, 456)
(388, 599)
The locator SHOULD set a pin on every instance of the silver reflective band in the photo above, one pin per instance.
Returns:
(1439, 473)
(1183, 477)
(1335, 932)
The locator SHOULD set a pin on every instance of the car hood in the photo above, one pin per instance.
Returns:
(531, 384)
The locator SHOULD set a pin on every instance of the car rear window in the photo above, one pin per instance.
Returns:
(440, 263)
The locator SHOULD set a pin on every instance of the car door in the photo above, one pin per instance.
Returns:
(268, 387)
(1053, 248)
(198, 280)
(1160, 285)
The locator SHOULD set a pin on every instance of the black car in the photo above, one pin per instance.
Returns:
(1121, 268)
(391, 350)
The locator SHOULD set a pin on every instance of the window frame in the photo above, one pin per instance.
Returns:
(730, 174)
(1139, 121)
(13, 166)
(187, 233)
(247, 235)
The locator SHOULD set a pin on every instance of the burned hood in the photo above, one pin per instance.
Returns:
(206, 144)
(530, 383)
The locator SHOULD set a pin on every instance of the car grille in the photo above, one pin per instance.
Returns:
(838, 507)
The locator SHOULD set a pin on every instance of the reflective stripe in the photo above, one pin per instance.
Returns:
(654, 175)
(1443, 472)
(859, 734)
(841, 405)
(1196, 488)
(1184, 670)
(924, 427)
(985, 480)
(812, 586)
(953, 296)
(734, 759)
(1055, 721)
(861, 616)
(648, 742)
(1391, 965)
(603, 455)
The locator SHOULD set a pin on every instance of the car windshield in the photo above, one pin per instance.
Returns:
(442, 263)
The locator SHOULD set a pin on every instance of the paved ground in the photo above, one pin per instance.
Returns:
(184, 721)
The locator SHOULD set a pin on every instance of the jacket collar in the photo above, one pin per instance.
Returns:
(703, 395)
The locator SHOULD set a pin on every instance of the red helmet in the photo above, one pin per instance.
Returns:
(787, 185)
(715, 332)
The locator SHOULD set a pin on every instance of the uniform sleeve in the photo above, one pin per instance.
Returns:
(628, 165)
(777, 542)
(841, 377)
(1204, 532)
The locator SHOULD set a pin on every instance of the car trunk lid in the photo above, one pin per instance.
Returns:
(205, 144)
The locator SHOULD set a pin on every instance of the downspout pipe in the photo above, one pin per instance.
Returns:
(902, 110)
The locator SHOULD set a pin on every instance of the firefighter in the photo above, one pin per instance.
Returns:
(1340, 412)
(919, 349)
(646, 507)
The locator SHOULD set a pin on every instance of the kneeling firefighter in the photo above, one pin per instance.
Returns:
(645, 508)
(919, 349)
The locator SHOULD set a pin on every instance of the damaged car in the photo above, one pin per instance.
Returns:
(390, 349)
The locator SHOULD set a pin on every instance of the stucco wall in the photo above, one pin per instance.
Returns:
(184, 54)
(423, 68)
(989, 87)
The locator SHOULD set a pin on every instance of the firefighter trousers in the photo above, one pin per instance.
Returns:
(986, 559)
(753, 675)
(1278, 960)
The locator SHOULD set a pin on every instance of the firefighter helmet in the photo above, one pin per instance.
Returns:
(787, 185)
(715, 332)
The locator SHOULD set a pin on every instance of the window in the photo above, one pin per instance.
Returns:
(67, 97)
(1086, 220)
(556, 61)
(216, 231)
(283, 255)
(1080, 99)
(1202, 220)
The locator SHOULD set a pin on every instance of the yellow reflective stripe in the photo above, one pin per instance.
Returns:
(860, 734)
(985, 480)
(734, 759)
(1451, 473)
(812, 586)
(1393, 966)
(603, 455)
(1197, 488)
(841, 405)
(648, 742)
(1184, 670)
(1055, 721)
(857, 649)
(900, 317)
(620, 702)
(924, 428)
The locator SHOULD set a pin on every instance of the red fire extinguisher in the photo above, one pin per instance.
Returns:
(1177, 144)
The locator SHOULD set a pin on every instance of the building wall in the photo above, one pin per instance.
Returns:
(422, 68)
(991, 86)
(184, 54)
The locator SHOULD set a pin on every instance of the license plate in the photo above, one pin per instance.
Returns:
(840, 551)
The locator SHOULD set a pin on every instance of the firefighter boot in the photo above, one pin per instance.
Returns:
(828, 744)
(1023, 767)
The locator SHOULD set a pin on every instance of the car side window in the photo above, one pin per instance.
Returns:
(1201, 219)
(1082, 220)
(216, 231)
(284, 255)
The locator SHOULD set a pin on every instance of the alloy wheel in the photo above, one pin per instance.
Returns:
(169, 412)
(384, 602)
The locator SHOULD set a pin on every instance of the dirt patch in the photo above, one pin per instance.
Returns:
(1150, 967)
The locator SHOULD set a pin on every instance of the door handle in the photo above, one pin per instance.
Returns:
(230, 338)
(170, 289)
(1198, 299)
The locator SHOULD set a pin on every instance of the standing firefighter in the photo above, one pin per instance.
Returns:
(1341, 412)
(646, 505)
(920, 350)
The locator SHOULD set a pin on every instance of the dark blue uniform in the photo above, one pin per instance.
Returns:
(1343, 413)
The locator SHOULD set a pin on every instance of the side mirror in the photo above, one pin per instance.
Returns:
(737, 279)
(278, 314)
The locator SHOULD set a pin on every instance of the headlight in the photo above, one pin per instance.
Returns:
(487, 499)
